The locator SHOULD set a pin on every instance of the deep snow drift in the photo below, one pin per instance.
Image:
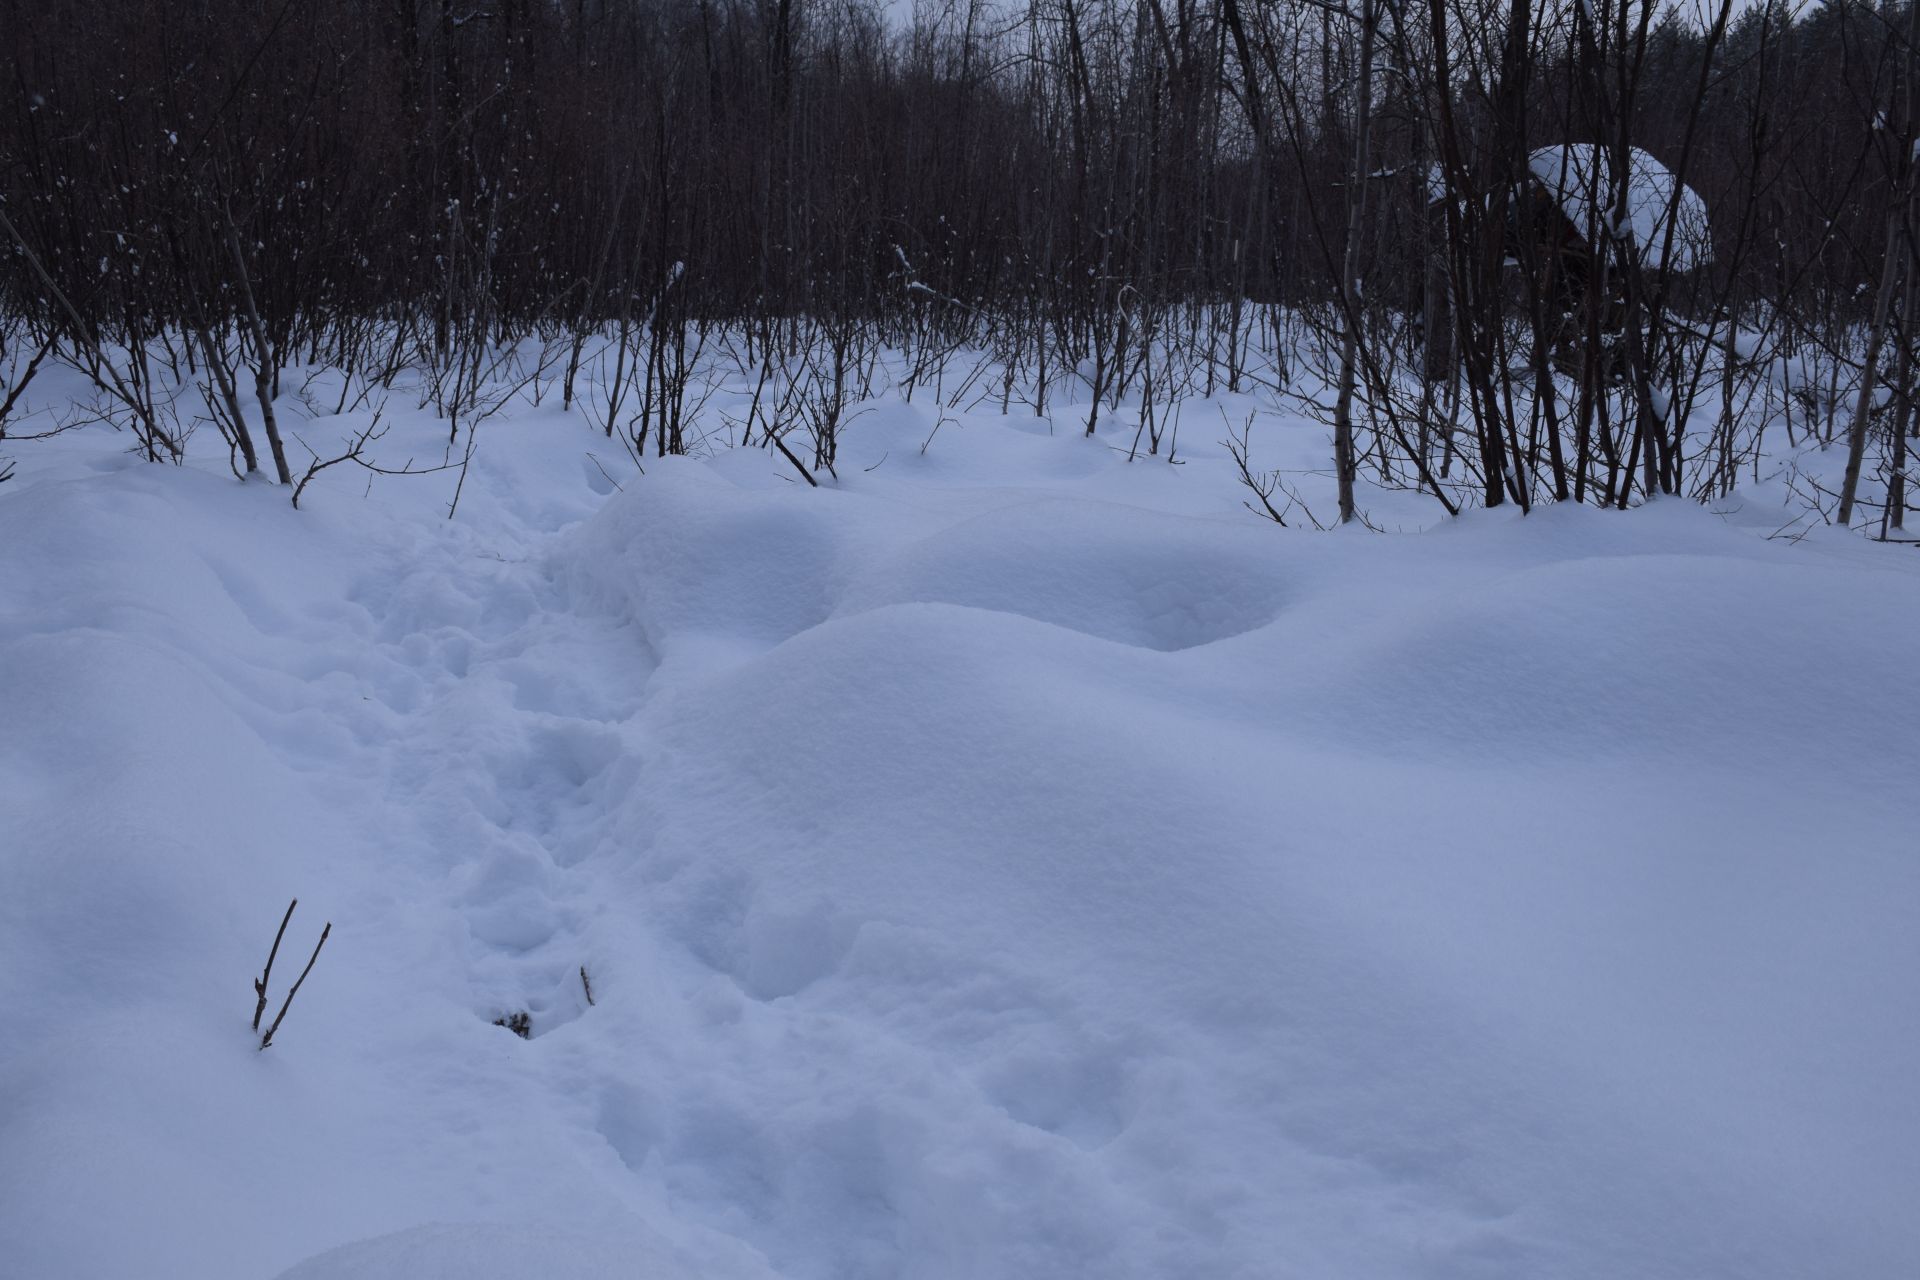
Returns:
(1008, 862)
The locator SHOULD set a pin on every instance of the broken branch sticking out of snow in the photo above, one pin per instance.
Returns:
(260, 983)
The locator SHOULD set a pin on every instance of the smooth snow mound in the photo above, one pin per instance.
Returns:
(493, 1251)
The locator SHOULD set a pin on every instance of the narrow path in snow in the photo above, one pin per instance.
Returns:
(513, 711)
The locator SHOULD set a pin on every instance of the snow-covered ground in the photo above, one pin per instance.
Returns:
(1009, 862)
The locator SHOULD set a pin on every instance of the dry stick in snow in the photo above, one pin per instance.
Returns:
(1343, 459)
(219, 377)
(799, 466)
(262, 356)
(260, 983)
(267, 1039)
(1892, 271)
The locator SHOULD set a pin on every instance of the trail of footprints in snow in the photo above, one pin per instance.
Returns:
(514, 737)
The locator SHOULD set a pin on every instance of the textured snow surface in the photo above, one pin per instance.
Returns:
(1009, 862)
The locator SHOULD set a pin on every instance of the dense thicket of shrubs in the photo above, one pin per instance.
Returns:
(1063, 180)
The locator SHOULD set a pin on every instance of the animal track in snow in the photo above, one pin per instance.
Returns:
(789, 951)
(632, 1122)
(1074, 1094)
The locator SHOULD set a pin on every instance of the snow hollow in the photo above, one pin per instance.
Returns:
(1006, 862)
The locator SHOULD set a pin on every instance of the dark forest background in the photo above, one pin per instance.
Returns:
(1076, 186)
